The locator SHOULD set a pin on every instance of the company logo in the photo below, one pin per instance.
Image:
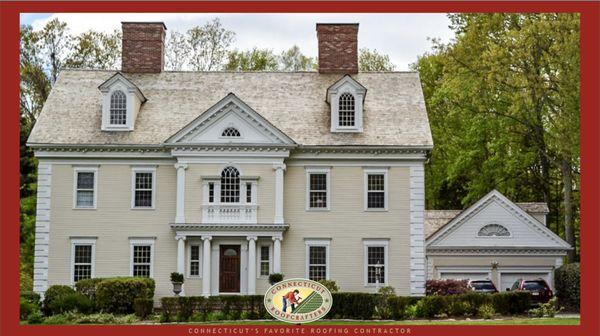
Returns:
(298, 301)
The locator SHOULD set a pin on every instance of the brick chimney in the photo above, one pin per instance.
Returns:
(338, 47)
(143, 47)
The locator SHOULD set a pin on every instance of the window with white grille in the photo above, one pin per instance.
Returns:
(85, 186)
(195, 260)
(82, 261)
(346, 110)
(231, 132)
(143, 189)
(376, 191)
(376, 264)
(264, 260)
(118, 108)
(318, 190)
(317, 262)
(211, 192)
(142, 261)
(230, 185)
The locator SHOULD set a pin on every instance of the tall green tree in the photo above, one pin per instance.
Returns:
(503, 101)
(209, 45)
(252, 60)
(95, 50)
(293, 60)
(372, 60)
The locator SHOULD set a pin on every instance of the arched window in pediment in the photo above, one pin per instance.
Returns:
(493, 230)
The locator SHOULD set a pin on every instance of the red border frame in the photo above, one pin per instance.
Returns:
(9, 155)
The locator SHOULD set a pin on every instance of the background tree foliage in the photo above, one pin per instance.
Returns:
(503, 103)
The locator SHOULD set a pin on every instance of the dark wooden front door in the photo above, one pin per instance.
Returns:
(229, 269)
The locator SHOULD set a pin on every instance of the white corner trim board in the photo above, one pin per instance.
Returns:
(417, 236)
(42, 229)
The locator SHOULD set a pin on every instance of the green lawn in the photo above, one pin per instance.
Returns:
(512, 321)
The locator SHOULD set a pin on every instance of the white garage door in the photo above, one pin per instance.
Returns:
(507, 279)
(465, 276)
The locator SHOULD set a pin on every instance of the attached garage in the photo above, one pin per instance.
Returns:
(481, 275)
(508, 278)
(493, 239)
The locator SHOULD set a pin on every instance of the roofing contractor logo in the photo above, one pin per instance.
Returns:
(298, 301)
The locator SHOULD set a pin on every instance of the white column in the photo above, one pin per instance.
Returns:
(180, 209)
(279, 169)
(206, 266)
(277, 254)
(251, 265)
(181, 258)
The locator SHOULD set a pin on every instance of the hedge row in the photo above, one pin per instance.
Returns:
(198, 308)
(360, 306)
(109, 295)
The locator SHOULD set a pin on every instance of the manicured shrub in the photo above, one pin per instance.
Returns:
(170, 307)
(54, 293)
(567, 284)
(511, 303)
(549, 309)
(31, 297)
(431, 306)
(382, 309)
(486, 311)
(29, 304)
(398, 306)
(473, 301)
(457, 307)
(143, 307)
(88, 287)
(275, 278)
(353, 305)
(329, 284)
(72, 302)
(116, 295)
(446, 287)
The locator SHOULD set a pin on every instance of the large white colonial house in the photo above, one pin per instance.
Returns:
(228, 177)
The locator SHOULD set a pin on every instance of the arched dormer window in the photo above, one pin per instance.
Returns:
(230, 185)
(231, 132)
(493, 230)
(118, 108)
(347, 112)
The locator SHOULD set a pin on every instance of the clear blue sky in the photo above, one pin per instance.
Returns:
(402, 36)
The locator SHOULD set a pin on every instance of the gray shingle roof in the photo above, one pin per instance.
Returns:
(294, 102)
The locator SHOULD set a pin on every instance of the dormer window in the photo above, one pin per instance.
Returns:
(346, 98)
(346, 110)
(118, 108)
(231, 132)
(121, 103)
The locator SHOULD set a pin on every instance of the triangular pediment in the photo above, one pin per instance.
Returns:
(346, 83)
(497, 214)
(230, 121)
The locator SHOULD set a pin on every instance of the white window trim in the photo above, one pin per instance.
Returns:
(259, 245)
(376, 171)
(135, 170)
(82, 241)
(77, 170)
(141, 242)
(129, 96)
(347, 85)
(318, 242)
(320, 170)
(375, 243)
(189, 260)
(510, 235)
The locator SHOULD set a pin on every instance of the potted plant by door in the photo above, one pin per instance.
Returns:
(275, 278)
(177, 281)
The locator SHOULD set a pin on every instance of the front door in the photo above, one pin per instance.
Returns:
(229, 269)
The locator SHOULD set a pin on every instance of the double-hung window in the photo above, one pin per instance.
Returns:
(318, 189)
(265, 260)
(144, 187)
(142, 257)
(317, 259)
(376, 194)
(376, 261)
(85, 183)
(194, 260)
(82, 259)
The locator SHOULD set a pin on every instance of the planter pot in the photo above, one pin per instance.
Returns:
(177, 287)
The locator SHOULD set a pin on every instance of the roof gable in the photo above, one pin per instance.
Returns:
(348, 83)
(216, 124)
(495, 208)
(120, 78)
